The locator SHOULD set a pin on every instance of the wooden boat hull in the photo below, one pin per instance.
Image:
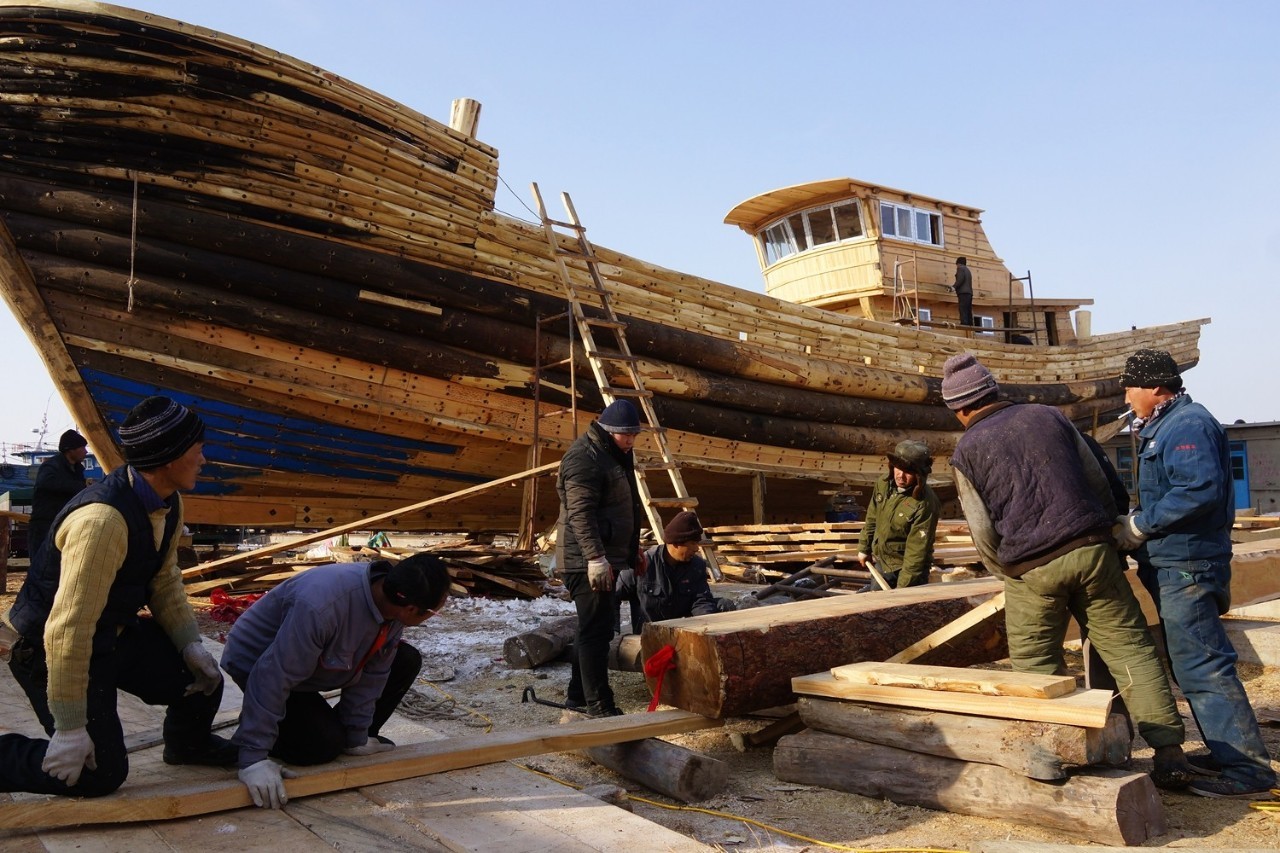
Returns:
(320, 272)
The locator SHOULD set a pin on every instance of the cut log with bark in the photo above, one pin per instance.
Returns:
(1038, 750)
(668, 768)
(625, 653)
(548, 642)
(1111, 807)
(734, 663)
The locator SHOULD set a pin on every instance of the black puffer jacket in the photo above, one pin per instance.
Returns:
(600, 510)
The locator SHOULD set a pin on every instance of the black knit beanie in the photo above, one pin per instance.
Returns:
(1151, 368)
(71, 440)
(158, 431)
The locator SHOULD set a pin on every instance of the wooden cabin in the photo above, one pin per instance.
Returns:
(889, 255)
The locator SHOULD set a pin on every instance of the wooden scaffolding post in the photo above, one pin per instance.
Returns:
(614, 369)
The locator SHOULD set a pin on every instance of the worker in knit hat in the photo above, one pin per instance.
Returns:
(902, 520)
(1040, 511)
(60, 478)
(1180, 536)
(116, 545)
(674, 582)
(597, 537)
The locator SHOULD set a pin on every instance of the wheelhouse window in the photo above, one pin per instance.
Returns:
(910, 223)
(987, 323)
(925, 315)
(808, 229)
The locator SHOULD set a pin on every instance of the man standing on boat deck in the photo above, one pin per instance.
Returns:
(963, 289)
(112, 550)
(60, 478)
(333, 627)
(1180, 536)
(1040, 511)
(902, 519)
(598, 536)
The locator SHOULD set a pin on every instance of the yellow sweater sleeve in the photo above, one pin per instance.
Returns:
(169, 604)
(93, 540)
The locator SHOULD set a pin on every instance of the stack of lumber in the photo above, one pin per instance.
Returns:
(475, 570)
(1015, 746)
(767, 552)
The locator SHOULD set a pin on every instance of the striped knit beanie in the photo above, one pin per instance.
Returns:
(158, 431)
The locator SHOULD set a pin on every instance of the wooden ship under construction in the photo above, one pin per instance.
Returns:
(321, 273)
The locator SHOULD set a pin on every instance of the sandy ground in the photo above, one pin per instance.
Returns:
(467, 687)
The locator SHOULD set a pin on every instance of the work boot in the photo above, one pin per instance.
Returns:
(1224, 788)
(1204, 765)
(1172, 771)
(603, 709)
(216, 752)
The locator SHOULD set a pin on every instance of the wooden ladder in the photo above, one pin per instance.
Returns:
(611, 367)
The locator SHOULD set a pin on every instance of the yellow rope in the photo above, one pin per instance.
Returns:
(766, 827)
(726, 815)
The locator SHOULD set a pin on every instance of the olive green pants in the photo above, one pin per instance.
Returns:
(1089, 584)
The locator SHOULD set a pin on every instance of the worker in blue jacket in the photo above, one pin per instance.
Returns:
(1180, 537)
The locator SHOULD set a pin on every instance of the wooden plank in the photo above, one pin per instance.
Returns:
(502, 807)
(1088, 708)
(367, 523)
(1037, 750)
(1021, 846)
(952, 631)
(988, 682)
(168, 800)
(1113, 808)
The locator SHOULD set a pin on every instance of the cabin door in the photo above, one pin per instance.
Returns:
(1240, 474)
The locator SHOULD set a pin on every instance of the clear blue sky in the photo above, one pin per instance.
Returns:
(1122, 151)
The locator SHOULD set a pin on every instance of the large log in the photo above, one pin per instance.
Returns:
(548, 642)
(668, 768)
(1115, 808)
(1037, 750)
(733, 663)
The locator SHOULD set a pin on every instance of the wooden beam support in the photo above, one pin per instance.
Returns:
(1037, 750)
(365, 523)
(1116, 808)
(166, 800)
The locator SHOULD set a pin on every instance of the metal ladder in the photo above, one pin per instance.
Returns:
(620, 359)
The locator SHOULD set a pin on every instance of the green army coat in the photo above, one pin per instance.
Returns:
(899, 531)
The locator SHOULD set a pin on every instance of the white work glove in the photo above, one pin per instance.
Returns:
(863, 558)
(265, 781)
(1128, 536)
(600, 575)
(68, 754)
(372, 746)
(203, 667)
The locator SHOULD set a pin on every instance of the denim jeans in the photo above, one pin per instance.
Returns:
(1191, 597)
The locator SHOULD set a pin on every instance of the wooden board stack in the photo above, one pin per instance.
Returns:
(1015, 746)
(767, 552)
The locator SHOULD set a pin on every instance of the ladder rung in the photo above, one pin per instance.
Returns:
(555, 413)
(575, 253)
(572, 226)
(611, 356)
(674, 502)
(542, 321)
(603, 323)
(559, 363)
(627, 392)
(657, 466)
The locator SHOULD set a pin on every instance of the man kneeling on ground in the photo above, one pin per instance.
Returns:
(332, 627)
(674, 582)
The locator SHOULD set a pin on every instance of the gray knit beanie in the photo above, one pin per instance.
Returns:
(158, 431)
(965, 381)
